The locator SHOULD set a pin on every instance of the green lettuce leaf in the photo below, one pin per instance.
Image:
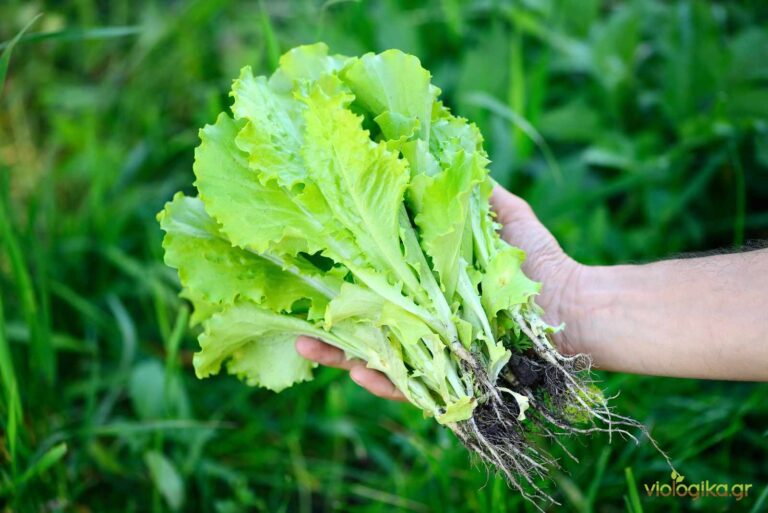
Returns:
(396, 90)
(504, 284)
(217, 273)
(258, 344)
(308, 63)
(442, 202)
(420, 347)
(240, 202)
(272, 129)
(362, 182)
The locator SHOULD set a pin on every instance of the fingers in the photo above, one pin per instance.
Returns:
(372, 380)
(521, 228)
(376, 383)
(510, 208)
(322, 353)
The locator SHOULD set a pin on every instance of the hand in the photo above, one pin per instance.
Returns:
(545, 262)
(372, 380)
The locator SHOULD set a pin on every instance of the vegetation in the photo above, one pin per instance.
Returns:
(637, 130)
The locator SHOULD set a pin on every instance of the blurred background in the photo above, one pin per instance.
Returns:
(638, 130)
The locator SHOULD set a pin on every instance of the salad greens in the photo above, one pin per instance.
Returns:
(341, 199)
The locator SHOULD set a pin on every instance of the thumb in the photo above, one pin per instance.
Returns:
(545, 261)
(509, 207)
(521, 228)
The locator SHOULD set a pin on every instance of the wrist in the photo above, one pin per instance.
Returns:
(599, 309)
(587, 291)
(567, 307)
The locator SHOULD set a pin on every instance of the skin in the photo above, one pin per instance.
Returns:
(695, 317)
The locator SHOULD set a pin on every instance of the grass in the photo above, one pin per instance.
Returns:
(637, 130)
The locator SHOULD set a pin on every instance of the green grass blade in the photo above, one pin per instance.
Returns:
(517, 91)
(14, 419)
(76, 34)
(46, 461)
(18, 333)
(741, 199)
(634, 498)
(130, 429)
(7, 48)
(270, 39)
(760, 502)
(12, 399)
(42, 352)
(694, 188)
(166, 478)
(453, 16)
(174, 340)
(572, 492)
(80, 304)
(594, 486)
(7, 372)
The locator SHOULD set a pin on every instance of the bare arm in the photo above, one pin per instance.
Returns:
(699, 317)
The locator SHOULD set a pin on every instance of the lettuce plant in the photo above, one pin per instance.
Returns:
(341, 199)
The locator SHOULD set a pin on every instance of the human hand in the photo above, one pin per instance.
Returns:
(545, 262)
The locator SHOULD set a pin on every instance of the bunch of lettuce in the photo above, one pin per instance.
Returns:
(342, 200)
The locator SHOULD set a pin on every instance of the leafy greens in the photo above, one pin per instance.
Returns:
(342, 200)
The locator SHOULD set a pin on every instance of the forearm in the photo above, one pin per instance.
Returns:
(701, 318)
